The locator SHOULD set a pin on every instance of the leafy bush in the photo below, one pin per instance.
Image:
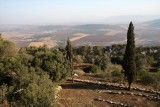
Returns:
(116, 74)
(53, 62)
(158, 69)
(87, 69)
(104, 75)
(147, 79)
(31, 89)
(156, 84)
(141, 71)
(95, 69)
(3, 93)
(79, 72)
(114, 67)
(151, 80)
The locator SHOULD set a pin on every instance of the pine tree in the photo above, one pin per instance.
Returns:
(129, 57)
(69, 55)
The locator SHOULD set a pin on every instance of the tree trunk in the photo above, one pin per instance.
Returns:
(129, 86)
(72, 73)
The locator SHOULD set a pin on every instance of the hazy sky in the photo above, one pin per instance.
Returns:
(73, 11)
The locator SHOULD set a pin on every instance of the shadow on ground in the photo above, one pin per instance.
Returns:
(79, 85)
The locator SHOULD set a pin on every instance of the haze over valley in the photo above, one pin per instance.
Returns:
(146, 33)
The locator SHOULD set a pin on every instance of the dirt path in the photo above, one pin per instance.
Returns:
(80, 94)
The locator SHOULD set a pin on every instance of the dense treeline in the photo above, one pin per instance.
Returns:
(145, 56)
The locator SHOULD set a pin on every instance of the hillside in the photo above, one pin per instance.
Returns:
(84, 93)
(154, 23)
(147, 33)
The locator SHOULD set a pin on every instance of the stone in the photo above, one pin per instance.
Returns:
(76, 75)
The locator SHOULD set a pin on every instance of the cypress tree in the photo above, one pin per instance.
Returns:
(128, 64)
(69, 55)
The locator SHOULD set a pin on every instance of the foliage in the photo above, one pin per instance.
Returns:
(30, 88)
(87, 69)
(7, 48)
(78, 59)
(3, 92)
(79, 72)
(141, 61)
(69, 55)
(102, 61)
(141, 72)
(129, 56)
(117, 59)
(26, 75)
(95, 69)
(147, 79)
(53, 62)
(151, 79)
(92, 54)
(104, 75)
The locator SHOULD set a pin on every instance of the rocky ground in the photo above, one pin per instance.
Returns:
(89, 91)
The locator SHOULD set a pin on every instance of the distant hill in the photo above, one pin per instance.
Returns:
(154, 23)
(97, 26)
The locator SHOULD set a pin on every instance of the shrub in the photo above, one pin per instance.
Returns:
(87, 69)
(3, 92)
(141, 71)
(114, 67)
(151, 79)
(116, 73)
(95, 69)
(158, 69)
(31, 89)
(147, 79)
(79, 72)
(156, 84)
(117, 76)
(39, 93)
(104, 75)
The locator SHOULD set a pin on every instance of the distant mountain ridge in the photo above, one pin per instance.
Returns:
(98, 26)
(154, 23)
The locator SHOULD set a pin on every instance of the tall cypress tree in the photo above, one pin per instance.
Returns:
(69, 55)
(129, 57)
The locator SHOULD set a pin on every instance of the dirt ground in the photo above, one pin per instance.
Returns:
(80, 94)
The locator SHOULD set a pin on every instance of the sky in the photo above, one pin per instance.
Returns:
(63, 12)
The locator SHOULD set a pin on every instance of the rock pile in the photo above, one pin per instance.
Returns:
(150, 97)
(115, 103)
(116, 85)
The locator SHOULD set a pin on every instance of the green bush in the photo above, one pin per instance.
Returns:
(147, 79)
(114, 67)
(79, 72)
(151, 79)
(104, 75)
(3, 93)
(158, 69)
(32, 90)
(141, 71)
(156, 84)
(95, 69)
(116, 73)
(87, 69)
